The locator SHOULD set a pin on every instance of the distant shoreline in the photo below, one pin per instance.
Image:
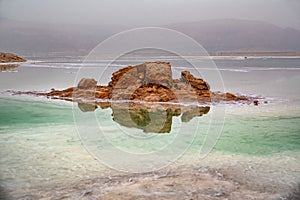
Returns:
(221, 53)
(211, 53)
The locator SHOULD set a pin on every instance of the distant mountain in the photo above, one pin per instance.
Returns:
(215, 35)
(28, 37)
(240, 35)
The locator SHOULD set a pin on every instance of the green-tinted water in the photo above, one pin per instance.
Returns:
(253, 132)
(40, 148)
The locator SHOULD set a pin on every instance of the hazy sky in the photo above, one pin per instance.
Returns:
(285, 13)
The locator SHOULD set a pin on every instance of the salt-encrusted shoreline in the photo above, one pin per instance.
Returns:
(182, 182)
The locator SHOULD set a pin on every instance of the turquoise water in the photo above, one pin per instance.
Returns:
(16, 113)
(260, 135)
(253, 133)
(40, 146)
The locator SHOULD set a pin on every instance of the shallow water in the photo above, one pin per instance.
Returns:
(41, 149)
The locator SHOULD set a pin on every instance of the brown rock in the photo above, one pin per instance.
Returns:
(150, 82)
(159, 73)
(138, 82)
(123, 77)
(9, 57)
(196, 83)
(153, 93)
(200, 87)
(87, 83)
(191, 89)
(230, 96)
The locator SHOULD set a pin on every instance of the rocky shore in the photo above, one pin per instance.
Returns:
(9, 57)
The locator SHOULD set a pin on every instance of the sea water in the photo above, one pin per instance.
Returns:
(42, 146)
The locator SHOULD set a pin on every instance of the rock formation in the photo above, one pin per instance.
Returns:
(152, 96)
(148, 82)
(9, 57)
(87, 83)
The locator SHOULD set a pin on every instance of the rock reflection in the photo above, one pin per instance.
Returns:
(149, 117)
(86, 107)
(8, 67)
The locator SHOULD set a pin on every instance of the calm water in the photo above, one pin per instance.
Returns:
(40, 147)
